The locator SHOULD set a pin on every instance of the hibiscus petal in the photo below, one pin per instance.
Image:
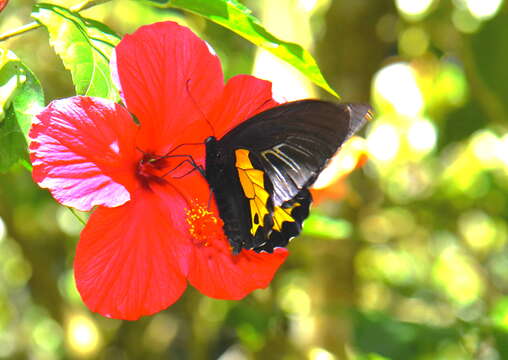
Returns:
(222, 275)
(212, 268)
(173, 202)
(83, 151)
(126, 262)
(244, 96)
(168, 78)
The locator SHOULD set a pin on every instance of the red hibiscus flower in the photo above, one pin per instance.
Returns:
(155, 225)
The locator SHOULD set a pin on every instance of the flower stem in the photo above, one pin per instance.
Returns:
(83, 222)
(34, 25)
(23, 29)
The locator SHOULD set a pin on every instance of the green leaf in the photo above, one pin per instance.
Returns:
(84, 45)
(238, 18)
(21, 97)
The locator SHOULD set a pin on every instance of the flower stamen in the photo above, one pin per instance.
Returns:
(205, 227)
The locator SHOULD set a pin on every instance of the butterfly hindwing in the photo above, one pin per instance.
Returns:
(260, 170)
(287, 221)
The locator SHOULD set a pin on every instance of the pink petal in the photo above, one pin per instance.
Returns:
(127, 260)
(83, 151)
(244, 96)
(169, 79)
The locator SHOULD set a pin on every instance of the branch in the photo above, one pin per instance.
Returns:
(34, 25)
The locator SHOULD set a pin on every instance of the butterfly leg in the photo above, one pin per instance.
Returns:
(190, 161)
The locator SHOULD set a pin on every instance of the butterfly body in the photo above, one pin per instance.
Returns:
(260, 171)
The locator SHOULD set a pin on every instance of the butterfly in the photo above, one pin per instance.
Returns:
(261, 170)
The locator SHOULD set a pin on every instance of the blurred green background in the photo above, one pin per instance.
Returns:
(411, 263)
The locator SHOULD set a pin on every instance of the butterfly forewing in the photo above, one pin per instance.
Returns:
(295, 140)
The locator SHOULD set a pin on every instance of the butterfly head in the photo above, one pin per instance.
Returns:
(213, 153)
(215, 160)
(210, 139)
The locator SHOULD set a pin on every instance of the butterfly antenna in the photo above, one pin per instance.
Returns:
(197, 107)
(168, 154)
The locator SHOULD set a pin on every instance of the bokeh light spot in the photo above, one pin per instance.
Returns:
(413, 42)
(502, 150)
(82, 335)
(318, 353)
(307, 5)
(383, 142)
(422, 136)
(397, 84)
(3, 232)
(478, 229)
(47, 334)
(485, 146)
(456, 276)
(464, 21)
(413, 8)
(295, 300)
(234, 352)
(484, 9)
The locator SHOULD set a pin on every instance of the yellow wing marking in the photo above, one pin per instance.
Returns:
(281, 215)
(247, 186)
(253, 185)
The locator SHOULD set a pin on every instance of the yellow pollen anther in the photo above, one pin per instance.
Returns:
(203, 223)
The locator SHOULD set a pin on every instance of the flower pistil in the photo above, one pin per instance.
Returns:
(151, 168)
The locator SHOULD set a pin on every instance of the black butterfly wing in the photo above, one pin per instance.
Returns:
(242, 193)
(261, 169)
(294, 141)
